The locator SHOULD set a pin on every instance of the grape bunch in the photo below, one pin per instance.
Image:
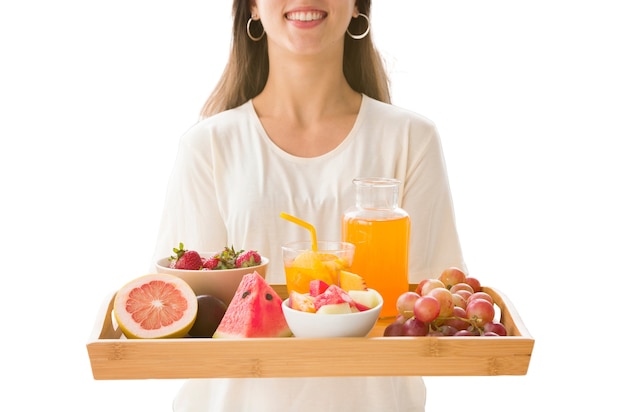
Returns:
(452, 304)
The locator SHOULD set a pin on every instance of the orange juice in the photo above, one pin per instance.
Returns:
(381, 256)
(302, 265)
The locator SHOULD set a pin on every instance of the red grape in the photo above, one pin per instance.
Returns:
(426, 308)
(405, 302)
(394, 329)
(480, 295)
(414, 327)
(458, 320)
(495, 327)
(480, 311)
(430, 284)
(474, 283)
(462, 286)
(444, 297)
(451, 276)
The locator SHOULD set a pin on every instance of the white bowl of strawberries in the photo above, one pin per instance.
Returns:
(331, 312)
(213, 273)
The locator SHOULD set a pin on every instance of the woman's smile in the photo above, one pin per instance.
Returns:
(305, 16)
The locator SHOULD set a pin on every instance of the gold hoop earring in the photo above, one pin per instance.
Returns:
(360, 36)
(253, 38)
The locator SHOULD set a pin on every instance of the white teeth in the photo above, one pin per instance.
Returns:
(305, 15)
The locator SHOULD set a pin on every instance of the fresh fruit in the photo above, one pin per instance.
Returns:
(248, 259)
(394, 329)
(458, 320)
(451, 276)
(480, 311)
(335, 309)
(211, 263)
(317, 287)
(155, 306)
(306, 267)
(429, 285)
(461, 286)
(255, 312)
(459, 300)
(446, 302)
(474, 283)
(405, 303)
(185, 259)
(426, 308)
(480, 295)
(301, 301)
(351, 281)
(228, 258)
(465, 294)
(414, 327)
(331, 296)
(366, 298)
(211, 310)
(495, 327)
(447, 308)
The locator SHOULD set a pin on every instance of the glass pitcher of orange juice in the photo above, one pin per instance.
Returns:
(380, 230)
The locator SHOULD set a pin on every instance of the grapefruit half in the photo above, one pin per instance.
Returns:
(155, 306)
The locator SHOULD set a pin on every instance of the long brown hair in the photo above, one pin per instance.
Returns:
(247, 68)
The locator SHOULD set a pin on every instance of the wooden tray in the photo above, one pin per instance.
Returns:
(113, 356)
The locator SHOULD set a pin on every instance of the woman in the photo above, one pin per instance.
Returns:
(303, 107)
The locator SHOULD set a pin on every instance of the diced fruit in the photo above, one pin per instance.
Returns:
(317, 287)
(155, 306)
(351, 281)
(308, 266)
(333, 299)
(366, 298)
(335, 309)
(301, 301)
(333, 295)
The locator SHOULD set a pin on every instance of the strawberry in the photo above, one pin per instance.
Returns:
(190, 260)
(248, 259)
(228, 258)
(186, 259)
(211, 263)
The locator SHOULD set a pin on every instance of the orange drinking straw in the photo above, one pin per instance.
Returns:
(305, 225)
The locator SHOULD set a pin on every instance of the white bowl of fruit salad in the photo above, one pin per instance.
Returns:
(332, 312)
(213, 273)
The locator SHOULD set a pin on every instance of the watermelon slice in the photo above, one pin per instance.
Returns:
(255, 312)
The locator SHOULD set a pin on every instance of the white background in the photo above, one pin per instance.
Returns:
(530, 101)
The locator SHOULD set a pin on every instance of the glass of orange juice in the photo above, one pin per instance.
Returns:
(303, 264)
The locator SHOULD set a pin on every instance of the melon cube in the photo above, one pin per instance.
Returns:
(335, 309)
(366, 298)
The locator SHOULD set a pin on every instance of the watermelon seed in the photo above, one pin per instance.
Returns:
(245, 294)
(268, 296)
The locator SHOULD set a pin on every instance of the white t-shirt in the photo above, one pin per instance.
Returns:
(230, 182)
(228, 186)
